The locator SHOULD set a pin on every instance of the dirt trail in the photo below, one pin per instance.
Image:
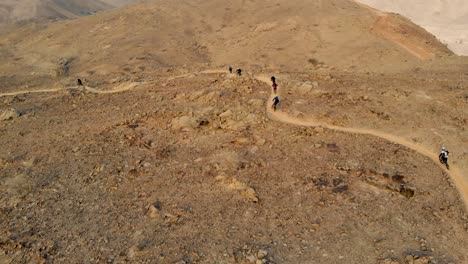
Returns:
(32, 91)
(454, 172)
(120, 88)
(195, 73)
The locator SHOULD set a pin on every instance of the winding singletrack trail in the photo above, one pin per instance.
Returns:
(53, 90)
(454, 173)
(119, 88)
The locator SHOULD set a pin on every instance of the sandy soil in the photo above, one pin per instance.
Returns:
(309, 34)
(20, 10)
(191, 169)
(164, 157)
(447, 20)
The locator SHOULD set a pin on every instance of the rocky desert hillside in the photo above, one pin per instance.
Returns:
(293, 35)
(20, 10)
(447, 20)
(163, 156)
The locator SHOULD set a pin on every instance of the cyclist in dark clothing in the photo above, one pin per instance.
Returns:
(443, 157)
(275, 102)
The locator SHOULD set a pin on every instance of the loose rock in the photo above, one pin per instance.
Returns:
(184, 123)
(153, 212)
(9, 114)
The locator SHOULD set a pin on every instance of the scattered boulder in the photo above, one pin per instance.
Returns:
(185, 123)
(259, 141)
(13, 99)
(261, 254)
(244, 190)
(417, 259)
(228, 113)
(9, 114)
(63, 67)
(234, 125)
(252, 254)
(333, 147)
(153, 211)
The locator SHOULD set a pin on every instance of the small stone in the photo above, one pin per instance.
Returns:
(251, 258)
(9, 114)
(228, 113)
(29, 163)
(170, 218)
(262, 253)
(184, 123)
(153, 212)
(261, 142)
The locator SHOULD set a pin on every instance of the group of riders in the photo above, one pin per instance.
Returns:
(443, 156)
(238, 71)
(276, 99)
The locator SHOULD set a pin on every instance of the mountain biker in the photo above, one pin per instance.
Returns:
(275, 102)
(275, 87)
(239, 72)
(443, 157)
(273, 79)
(230, 69)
